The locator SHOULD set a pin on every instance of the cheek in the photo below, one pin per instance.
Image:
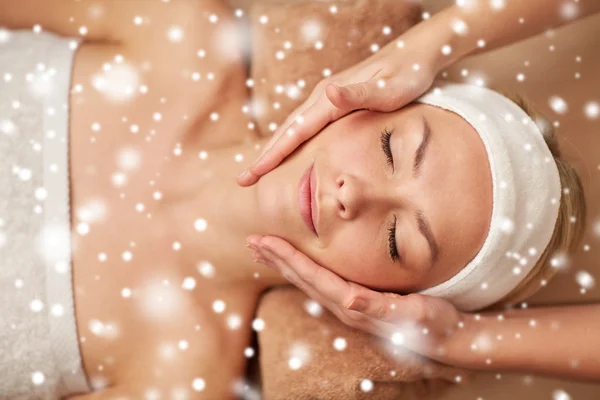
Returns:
(352, 257)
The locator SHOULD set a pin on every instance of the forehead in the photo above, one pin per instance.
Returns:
(455, 187)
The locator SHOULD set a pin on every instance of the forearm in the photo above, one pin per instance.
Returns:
(469, 30)
(560, 341)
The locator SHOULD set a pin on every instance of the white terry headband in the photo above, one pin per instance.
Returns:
(526, 195)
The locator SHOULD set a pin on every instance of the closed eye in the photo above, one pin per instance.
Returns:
(386, 135)
(392, 241)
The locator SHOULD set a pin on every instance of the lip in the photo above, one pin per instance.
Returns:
(306, 198)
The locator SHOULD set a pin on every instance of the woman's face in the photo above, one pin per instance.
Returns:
(400, 201)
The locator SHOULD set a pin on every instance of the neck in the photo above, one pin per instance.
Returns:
(211, 216)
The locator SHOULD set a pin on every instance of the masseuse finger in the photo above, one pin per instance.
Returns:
(349, 317)
(435, 314)
(305, 126)
(247, 178)
(377, 94)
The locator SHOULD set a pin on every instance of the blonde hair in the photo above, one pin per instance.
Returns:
(570, 223)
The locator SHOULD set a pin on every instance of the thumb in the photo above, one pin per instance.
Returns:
(353, 96)
(380, 95)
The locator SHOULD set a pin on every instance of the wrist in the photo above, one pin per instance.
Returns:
(447, 37)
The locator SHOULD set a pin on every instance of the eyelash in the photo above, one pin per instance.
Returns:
(385, 146)
(392, 241)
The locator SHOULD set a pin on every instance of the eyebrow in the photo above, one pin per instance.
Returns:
(422, 223)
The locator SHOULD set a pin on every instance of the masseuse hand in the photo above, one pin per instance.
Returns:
(386, 81)
(421, 323)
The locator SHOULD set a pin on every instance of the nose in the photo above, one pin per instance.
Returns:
(355, 196)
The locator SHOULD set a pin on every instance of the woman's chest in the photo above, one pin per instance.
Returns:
(145, 321)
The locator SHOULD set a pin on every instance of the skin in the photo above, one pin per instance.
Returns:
(144, 352)
(358, 194)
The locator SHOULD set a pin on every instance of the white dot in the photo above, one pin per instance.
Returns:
(249, 352)
(127, 256)
(446, 49)
(366, 385)
(592, 110)
(214, 116)
(318, 45)
(206, 269)
(258, 324)
(374, 48)
(83, 30)
(198, 384)
(398, 339)
(516, 270)
(484, 285)
(175, 34)
(57, 310)
(157, 116)
(585, 280)
(183, 345)
(126, 293)
(203, 155)
(386, 30)
(137, 20)
(558, 104)
(459, 27)
(239, 12)
(559, 394)
(213, 18)
(295, 363)
(102, 257)
(520, 77)
(333, 9)
(36, 305)
(157, 195)
(25, 174)
(481, 43)
(507, 225)
(41, 193)
(569, 10)
(219, 306)
(340, 344)
(189, 283)
(497, 4)
(313, 308)
(234, 321)
(416, 67)
(83, 228)
(263, 19)
(38, 378)
(200, 225)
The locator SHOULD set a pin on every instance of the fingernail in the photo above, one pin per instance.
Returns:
(245, 174)
(357, 304)
(251, 246)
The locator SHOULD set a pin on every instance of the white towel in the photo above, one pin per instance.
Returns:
(39, 350)
(526, 195)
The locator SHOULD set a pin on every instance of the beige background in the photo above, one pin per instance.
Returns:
(547, 73)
